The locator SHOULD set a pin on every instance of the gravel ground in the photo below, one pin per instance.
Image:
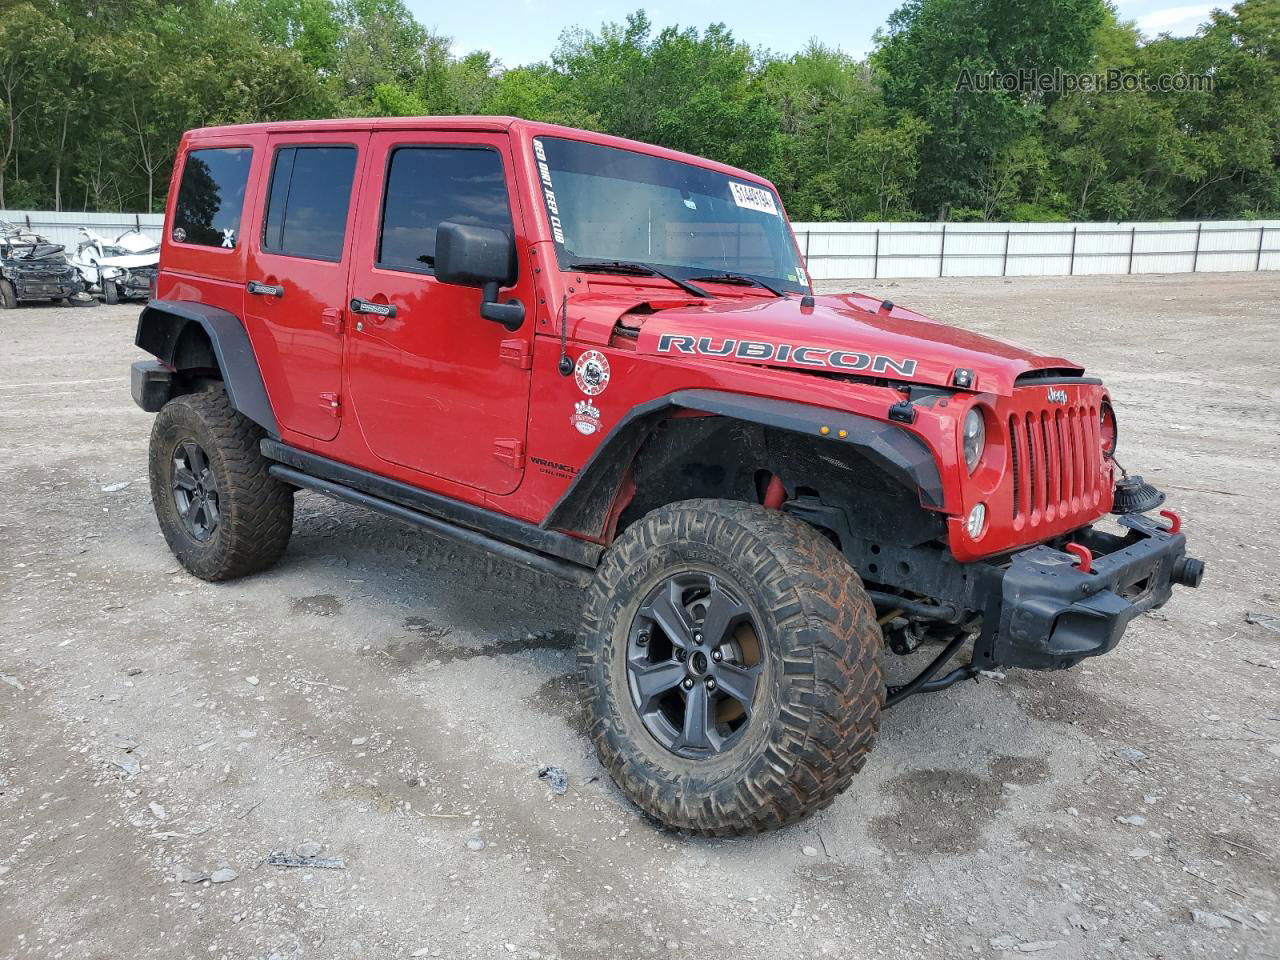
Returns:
(388, 699)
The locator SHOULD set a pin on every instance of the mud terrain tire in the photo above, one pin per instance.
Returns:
(204, 449)
(818, 695)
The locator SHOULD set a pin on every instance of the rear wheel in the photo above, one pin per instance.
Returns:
(730, 663)
(221, 512)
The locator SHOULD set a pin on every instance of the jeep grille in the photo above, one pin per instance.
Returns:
(1054, 460)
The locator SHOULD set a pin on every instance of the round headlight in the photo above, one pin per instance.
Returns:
(975, 437)
(1108, 428)
(976, 522)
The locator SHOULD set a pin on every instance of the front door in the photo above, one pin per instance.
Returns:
(298, 268)
(436, 387)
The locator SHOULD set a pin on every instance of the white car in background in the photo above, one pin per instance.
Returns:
(122, 270)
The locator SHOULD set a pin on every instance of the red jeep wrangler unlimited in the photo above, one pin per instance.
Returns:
(603, 360)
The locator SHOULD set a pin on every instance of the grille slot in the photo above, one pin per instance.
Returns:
(1015, 467)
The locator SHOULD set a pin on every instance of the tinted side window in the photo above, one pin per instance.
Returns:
(211, 196)
(307, 206)
(428, 185)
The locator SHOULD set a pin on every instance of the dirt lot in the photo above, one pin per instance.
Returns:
(389, 698)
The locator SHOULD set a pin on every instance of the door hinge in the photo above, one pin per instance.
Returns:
(516, 353)
(510, 452)
(332, 318)
(332, 402)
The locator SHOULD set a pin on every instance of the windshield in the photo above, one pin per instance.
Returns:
(608, 204)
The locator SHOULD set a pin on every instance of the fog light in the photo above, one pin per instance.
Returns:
(976, 522)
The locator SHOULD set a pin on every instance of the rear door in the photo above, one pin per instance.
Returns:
(436, 387)
(299, 260)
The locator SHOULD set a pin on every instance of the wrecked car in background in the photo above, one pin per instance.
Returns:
(32, 268)
(123, 270)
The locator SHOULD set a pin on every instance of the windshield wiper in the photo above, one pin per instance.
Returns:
(645, 269)
(741, 278)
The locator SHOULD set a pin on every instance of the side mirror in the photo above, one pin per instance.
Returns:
(471, 256)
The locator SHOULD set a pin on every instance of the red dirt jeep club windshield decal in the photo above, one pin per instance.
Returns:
(544, 174)
(800, 354)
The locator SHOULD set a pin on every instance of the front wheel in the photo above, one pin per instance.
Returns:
(221, 512)
(8, 297)
(729, 661)
(110, 293)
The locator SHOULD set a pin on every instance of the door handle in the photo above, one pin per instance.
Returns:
(258, 288)
(380, 310)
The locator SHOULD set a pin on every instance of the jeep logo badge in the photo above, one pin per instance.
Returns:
(1057, 396)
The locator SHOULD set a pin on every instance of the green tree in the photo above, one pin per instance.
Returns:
(539, 92)
(699, 92)
(32, 48)
(94, 95)
(1155, 154)
(929, 45)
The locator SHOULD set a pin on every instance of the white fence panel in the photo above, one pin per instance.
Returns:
(838, 251)
(64, 227)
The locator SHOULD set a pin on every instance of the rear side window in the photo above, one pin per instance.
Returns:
(307, 205)
(211, 197)
(428, 185)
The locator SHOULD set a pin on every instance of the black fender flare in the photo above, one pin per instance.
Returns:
(900, 453)
(160, 328)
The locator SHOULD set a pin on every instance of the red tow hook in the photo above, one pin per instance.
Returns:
(775, 493)
(1083, 554)
(1175, 521)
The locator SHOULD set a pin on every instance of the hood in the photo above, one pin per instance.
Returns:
(130, 261)
(849, 334)
(134, 242)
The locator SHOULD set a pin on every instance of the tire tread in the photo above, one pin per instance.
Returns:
(257, 509)
(832, 685)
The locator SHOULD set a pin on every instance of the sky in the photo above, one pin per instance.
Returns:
(524, 31)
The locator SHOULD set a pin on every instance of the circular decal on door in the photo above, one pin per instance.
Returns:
(586, 418)
(179, 235)
(592, 373)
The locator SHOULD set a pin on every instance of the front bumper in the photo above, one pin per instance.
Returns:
(136, 282)
(46, 287)
(1052, 615)
(42, 280)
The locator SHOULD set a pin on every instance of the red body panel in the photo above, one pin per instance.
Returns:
(298, 337)
(442, 399)
(433, 389)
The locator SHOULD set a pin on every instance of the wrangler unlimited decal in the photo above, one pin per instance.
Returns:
(783, 353)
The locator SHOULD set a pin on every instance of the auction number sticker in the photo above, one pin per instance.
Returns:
(753, 198)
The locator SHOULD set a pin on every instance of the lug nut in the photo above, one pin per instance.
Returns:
(697, 636)
(717, 656)
(711, 684)
(681, 655)
(688, 683)
(642, 639)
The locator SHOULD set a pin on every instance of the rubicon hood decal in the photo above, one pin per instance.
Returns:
(847, 334)
(800, 354)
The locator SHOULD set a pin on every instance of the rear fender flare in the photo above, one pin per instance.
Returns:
(903, 455)
(160, 329)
